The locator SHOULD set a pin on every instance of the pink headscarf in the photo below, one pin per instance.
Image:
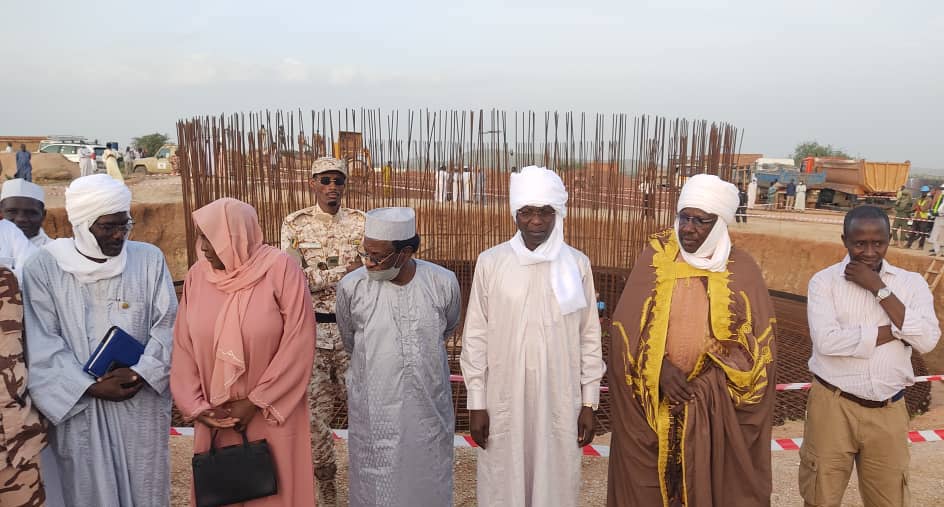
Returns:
(232, 227)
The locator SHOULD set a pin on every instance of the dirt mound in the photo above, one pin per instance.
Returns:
(46, 166)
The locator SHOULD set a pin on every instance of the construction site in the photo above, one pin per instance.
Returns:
(623, 175)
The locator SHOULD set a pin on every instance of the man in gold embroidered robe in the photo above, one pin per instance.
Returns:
(692, 364)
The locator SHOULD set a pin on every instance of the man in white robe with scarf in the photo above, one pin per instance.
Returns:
(531, 354)
(109, 435)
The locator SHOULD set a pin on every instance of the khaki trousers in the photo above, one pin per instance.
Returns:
(840, 433)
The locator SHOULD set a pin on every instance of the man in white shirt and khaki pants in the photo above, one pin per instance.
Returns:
(865, 317)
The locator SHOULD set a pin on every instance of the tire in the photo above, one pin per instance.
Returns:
(140, 170)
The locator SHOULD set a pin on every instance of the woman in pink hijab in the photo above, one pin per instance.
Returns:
(244, 343)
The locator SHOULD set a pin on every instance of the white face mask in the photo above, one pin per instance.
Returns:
(385, 275)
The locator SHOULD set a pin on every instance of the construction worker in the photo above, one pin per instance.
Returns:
(903, 206)
(325, 238)
(936, 238)
(921, 213)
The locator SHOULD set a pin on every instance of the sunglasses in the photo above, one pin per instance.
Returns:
(338, 180)
(111, 229)
(365, 257)
(696, 221)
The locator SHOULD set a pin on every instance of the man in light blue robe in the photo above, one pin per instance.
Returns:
(395, 314)
(109, 435)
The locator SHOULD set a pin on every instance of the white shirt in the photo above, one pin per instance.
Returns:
(15, 248)
(844, 320)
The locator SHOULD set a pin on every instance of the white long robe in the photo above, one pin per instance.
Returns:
(751, 193)
(400, 414)
(531, 368)
(800, 203)
(108, 453)
(41, 239)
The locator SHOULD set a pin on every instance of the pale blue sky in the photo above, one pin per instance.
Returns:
(863, 75)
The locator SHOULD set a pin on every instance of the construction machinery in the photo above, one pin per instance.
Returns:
(850, 181)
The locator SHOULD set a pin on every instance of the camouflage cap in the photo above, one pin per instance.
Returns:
(328, 164)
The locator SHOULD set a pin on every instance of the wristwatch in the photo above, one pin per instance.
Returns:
(882, 293)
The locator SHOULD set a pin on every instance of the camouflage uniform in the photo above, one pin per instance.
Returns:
(22, 433)
(327, 243)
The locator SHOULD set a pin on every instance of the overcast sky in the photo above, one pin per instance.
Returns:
(866, 76)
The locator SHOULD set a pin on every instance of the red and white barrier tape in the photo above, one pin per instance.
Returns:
(798, 386)
(777, 444)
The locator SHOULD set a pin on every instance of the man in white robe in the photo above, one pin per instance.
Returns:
(531, 354)
(86, 161)
(24, 203)
(109, 435)
(395, 314)
(752, 192)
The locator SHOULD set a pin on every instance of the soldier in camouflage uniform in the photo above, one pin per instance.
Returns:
(23, 434)
(325, 238)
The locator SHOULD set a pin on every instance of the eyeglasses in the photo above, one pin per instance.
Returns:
(373, 260)
(528, 213)
(338, 180)
(698, 222)
(111, 229)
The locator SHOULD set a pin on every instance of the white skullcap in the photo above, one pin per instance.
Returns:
(22, 188)
(710, 194)
(390, 224)
(537, 186)
(90, 197)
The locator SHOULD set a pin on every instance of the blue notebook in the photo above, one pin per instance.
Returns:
(117, 350)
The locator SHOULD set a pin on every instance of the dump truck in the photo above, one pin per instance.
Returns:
(850, 181)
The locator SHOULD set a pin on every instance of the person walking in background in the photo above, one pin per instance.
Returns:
(867, 317)
(86, 161)
(772, 195)
(936, 236)
(109, 434)
(111, 163)
(692, 365)
(903, 207)
(920, 215)
(24, 165)
(9, 148)
(742, 205)
(531, 354)
(325, 239)
(800, 197)
(752, 192)
(244, 342)
(395, 315)
(24, 434)
(791, 195)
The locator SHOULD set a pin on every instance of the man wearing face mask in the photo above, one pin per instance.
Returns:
(531, 354)
(692, 364)
(109, 434)
(325, 238)
(395, 315)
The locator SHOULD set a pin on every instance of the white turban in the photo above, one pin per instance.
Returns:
(713, 195)
(539, 187)
(87, 199)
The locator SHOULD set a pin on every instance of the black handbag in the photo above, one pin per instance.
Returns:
(233, 474)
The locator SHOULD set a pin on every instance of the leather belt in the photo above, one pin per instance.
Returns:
(325, 318)
(861, 401)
